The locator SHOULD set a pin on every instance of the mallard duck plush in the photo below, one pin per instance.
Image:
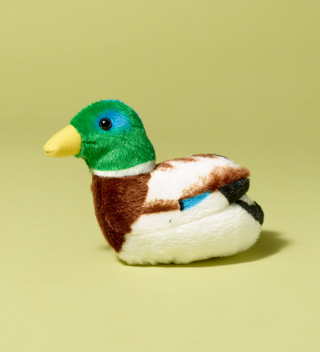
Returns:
(177, 211)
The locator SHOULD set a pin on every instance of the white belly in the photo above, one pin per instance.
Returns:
(191, 235)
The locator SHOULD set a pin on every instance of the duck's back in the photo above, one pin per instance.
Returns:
(192, 212)
(183, 178)
(184, 190)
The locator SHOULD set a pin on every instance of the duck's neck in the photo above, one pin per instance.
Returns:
(124, 157)
(140, 169)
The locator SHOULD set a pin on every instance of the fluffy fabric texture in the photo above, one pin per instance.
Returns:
(179, 211)
(174, 212)
(118, 202)
(197, 237)
(184, 178)
(235, 190)
(193, 201)
(123, 146)
(132, 171)
(254, 209)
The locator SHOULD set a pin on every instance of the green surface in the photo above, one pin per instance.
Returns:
(237, 78)
(124, 146)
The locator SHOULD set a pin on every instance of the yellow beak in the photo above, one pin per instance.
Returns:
(66, 142)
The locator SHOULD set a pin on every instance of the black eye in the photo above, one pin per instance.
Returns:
(105, 124)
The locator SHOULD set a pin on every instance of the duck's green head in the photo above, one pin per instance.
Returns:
(108, 135)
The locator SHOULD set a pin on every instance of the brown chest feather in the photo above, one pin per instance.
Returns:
(118, 204)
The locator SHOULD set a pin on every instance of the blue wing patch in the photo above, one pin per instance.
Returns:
(191, 202)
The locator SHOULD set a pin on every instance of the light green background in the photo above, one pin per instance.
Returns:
(238, 78)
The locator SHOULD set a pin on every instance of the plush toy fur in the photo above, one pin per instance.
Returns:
(178, 211)
(196, 236)
(146, 220)
(124, 146)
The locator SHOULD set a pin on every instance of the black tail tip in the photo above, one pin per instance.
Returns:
(255, 210)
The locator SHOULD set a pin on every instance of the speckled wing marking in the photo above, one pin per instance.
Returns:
(184, 178)
(183, 183)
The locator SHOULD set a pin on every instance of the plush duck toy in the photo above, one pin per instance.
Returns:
(177, 211)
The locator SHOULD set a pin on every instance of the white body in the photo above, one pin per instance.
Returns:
(212, 228)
